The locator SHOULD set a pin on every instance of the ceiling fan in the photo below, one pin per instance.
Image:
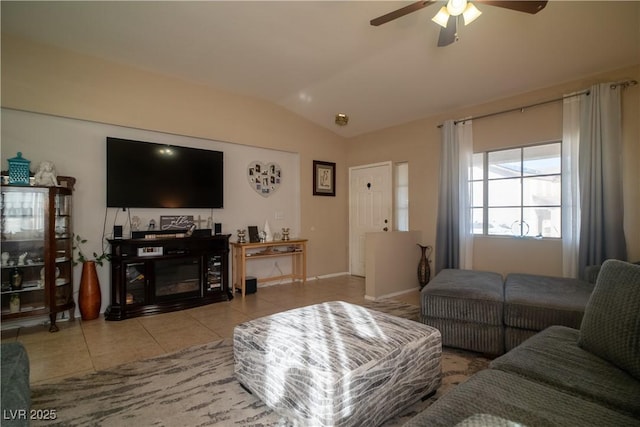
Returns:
(447, 16)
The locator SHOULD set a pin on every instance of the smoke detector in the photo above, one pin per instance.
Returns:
(342, 119)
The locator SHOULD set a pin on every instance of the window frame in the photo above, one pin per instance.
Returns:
(485, 180)
(401, 207)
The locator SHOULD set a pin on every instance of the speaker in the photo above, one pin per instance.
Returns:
(217, 228)
(251, 285)
(117, 232)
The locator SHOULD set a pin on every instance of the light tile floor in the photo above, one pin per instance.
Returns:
(88, 346)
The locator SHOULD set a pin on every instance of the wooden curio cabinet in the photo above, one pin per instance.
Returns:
(37, 251)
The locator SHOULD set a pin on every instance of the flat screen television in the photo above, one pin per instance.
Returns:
(149, 175)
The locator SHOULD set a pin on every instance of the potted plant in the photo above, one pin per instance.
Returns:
(90, 297)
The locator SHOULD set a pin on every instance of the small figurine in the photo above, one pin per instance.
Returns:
(268, 236)
(14, 303)
(46, 174)
(16, 279)
(135, 223)
(21, 258)
(5, 259)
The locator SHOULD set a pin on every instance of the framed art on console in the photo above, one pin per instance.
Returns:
(254, 236)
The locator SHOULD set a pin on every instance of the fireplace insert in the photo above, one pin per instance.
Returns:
(177, 278)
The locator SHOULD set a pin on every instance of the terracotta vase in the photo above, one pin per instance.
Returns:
(90, 298)
(424, 270)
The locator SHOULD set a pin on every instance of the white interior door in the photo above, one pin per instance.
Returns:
(370, 208)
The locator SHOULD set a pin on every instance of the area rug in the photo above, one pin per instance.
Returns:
(196, 387)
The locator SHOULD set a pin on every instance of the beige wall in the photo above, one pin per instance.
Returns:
(43, 79)
(391, 263)
(418, 143)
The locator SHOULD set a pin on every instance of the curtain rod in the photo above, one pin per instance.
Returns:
(624, 84)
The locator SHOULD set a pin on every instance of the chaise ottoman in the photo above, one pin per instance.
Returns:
(337, 364)
(466, 306)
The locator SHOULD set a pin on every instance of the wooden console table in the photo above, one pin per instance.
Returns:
(242, 252)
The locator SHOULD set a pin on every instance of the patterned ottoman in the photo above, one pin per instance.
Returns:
(337, 364)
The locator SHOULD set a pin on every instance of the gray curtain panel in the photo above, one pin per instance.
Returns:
(601, 204)
(447, 250)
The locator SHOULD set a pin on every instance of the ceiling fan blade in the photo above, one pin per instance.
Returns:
(448, 35)
(526, 6)
(400, 12)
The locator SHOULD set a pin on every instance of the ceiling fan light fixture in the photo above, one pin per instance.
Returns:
(442, 17)
(470, 14)
(456, 7)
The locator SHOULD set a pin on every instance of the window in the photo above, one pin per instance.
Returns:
(402, 196)
(517, 192)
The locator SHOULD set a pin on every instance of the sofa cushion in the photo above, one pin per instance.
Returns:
(554, 357)
(536, 302)
(611, 324)
(513, 337)
(518, 399)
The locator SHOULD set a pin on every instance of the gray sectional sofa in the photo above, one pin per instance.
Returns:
(15, 393)
(479, 311)
(561, 376)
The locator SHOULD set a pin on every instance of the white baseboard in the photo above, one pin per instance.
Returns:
(284, 281)
(330, 275)
(391, 295)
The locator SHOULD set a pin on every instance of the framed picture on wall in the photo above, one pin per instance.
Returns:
(324, 178)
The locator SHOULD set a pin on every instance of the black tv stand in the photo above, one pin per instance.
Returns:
(163, 274)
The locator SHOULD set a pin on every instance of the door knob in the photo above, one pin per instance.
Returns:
(385, 229)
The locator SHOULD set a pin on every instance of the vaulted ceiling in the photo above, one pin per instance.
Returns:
(319, 58)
